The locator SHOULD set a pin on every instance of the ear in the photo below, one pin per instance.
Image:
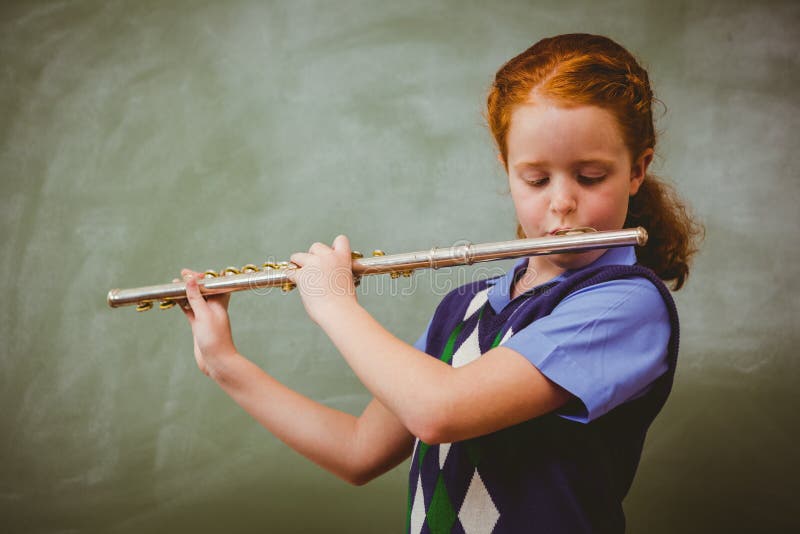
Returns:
(639, 170)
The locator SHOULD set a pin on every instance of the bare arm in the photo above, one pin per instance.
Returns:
(433, 400)
(357, 449)
(437, 402)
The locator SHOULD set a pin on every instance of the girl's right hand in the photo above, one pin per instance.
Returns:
(211, 327)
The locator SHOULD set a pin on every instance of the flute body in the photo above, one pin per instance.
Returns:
(577, 240)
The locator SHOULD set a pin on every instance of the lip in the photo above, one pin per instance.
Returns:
(561, 228)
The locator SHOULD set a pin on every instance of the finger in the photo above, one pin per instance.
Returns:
(300, 258)
(319, 248)
(186, 309)
(193, 296)
(183, 304)
(189, 272)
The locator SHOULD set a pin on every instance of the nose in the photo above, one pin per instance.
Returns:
(562, 198)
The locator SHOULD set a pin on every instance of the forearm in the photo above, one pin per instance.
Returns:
(355, 449)
(429, 398)
(407, 381)
(322, 434)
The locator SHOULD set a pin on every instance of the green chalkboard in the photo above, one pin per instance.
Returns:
(139, 137)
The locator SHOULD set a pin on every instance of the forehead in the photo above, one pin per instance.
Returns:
(544, 132)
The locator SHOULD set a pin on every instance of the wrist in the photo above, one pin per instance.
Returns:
(329, 315)
(221, 368)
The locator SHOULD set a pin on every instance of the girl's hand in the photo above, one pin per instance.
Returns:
(325, 278)
(210, 324)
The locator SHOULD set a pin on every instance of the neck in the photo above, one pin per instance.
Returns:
(535, 274)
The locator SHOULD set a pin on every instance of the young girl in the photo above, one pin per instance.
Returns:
(526, 402)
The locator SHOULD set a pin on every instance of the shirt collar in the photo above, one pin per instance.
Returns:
(500, 287)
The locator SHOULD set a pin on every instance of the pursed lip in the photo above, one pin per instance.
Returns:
(560, 228)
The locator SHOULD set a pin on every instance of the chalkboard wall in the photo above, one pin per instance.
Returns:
(140, 137)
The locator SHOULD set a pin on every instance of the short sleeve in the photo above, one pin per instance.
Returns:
(605, 344)
(422, 342)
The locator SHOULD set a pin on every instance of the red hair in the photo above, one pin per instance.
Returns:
(582, 69)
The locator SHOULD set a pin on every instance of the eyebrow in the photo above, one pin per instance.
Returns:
(543, 164)
(600, 161)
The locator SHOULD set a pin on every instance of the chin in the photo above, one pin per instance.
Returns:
(574, 260)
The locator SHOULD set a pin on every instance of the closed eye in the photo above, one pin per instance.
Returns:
(590, 180)
(537, 182)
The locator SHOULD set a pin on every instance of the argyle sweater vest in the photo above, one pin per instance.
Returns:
(549, 474)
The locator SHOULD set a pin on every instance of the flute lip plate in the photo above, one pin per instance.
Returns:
(641, 237)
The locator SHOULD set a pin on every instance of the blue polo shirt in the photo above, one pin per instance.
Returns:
(605, 344)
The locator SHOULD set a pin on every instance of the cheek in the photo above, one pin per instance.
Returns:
(526, 202)
(517, 195)
(612, 206)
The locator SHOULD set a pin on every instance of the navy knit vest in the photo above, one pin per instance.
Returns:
(548, 474)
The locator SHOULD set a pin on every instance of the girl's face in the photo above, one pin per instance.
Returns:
(569, 167)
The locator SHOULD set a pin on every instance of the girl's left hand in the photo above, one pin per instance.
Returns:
(211, 327)
(325, 278)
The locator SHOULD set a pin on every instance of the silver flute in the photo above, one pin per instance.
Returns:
(251, 277)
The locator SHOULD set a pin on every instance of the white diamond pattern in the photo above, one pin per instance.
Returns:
(468, 351)
(507, 335)
(477, 301)
(444, 448)
(478, 514)
(417, 510)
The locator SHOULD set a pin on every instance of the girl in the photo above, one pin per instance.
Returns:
(526, 402)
